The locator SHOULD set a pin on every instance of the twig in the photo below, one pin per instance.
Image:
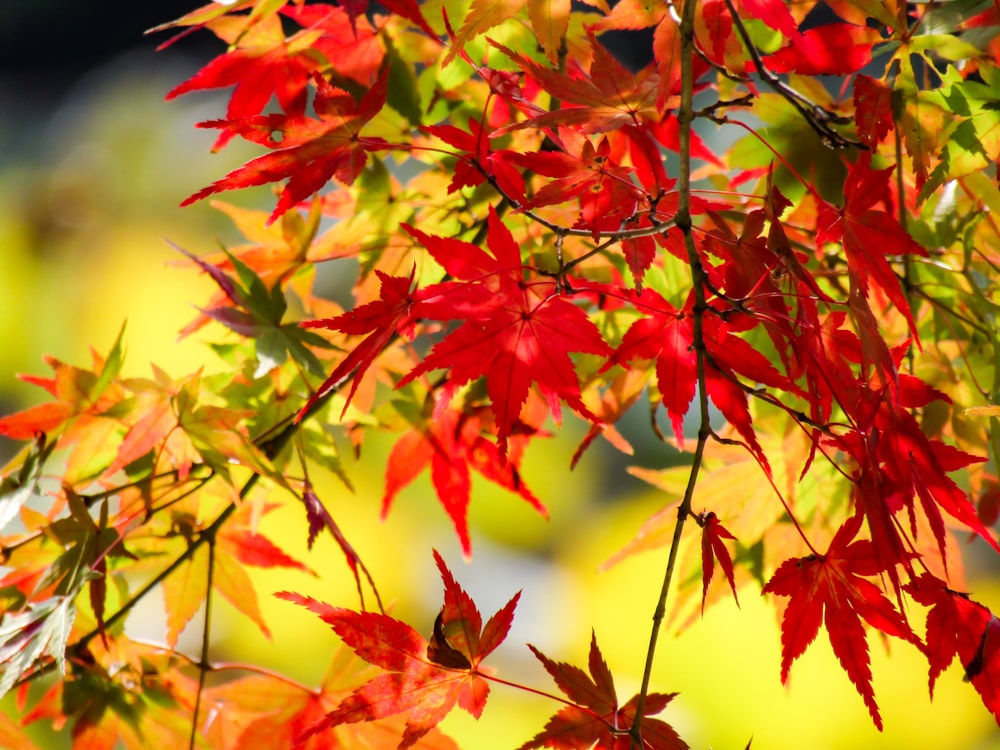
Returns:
(205, 638)
(816, 116)
(685, 117)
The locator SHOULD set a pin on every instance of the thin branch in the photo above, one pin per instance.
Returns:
(205, 638)
(685, 117)
(816, 116)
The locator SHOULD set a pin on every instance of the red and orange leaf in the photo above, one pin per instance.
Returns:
(308, 152)
(263, 64)
(393, 314)
(450, 444)
(872, 110)
(603, 99)
(423, 680)
(260, 712)
(12, 737)
(596, 720)
(461, 625)
(714, 548)
(833, 49)
(81, 396)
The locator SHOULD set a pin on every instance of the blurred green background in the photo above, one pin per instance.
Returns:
(92, 168)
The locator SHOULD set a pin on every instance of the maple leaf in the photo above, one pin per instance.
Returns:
(81, 395)
(830, 588)
(918, 466)
(426, 680)
(318, 518)
(597, 720)
(591, 174)
(410, 10)
(478, 161)
(666, 336)
(394, 313)
(236, 546)
(833, 49)
(21, 483)
(868, 235)
(167, 419)
(347, 41)
(260, 712)
(13, 736)
(605, 98)
(774, 13)
(127, 697)
(872, 109)
(450, 444)
(309, 152)
(514, 332)
(713, 547)
(263, 64)
(483, 15)
(41, 629)
(959, 626)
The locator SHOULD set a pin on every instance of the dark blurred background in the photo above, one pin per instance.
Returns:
(48, 45)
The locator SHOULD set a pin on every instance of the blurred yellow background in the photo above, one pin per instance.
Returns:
(84, 215)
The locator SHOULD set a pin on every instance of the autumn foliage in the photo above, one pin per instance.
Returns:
(540, 230)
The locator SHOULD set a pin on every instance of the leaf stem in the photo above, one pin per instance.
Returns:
(818, 118)
(543, 694)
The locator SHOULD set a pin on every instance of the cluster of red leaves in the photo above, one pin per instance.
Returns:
(425, 680)
(514, 328)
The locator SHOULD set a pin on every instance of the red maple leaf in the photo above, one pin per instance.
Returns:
(391, 315)
(872, 109)
(666, 335)
(423, 679)
(478, 161)
(605, 98)
(267, 712)
(959, 626)
(597, 720)
(264, 63)
(774, 13)
(713, 547)
(833, 49)
(831, 588)
(308, 152)
(869, 235)
(586, 173)
(450, 444)
(515, 332)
